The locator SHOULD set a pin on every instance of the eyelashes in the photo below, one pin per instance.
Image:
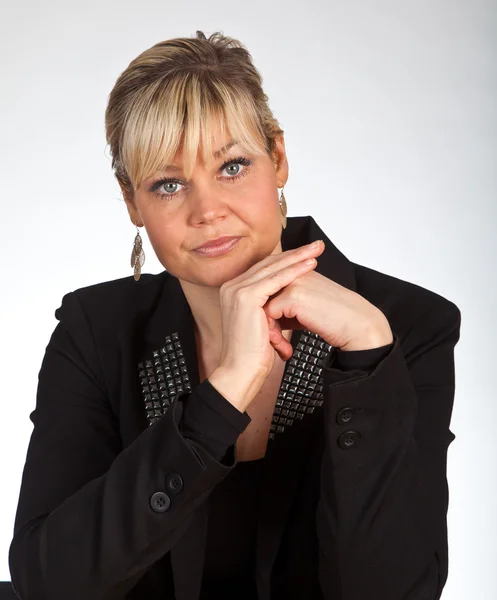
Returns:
(240, 160)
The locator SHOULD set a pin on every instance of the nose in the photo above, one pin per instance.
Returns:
(208, 204)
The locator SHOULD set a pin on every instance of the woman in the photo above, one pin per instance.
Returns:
(263, 419)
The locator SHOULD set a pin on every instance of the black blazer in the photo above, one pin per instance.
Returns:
(114, 499)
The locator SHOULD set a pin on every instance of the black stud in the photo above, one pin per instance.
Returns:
(301, 389)
(163, 377)
(300, 393)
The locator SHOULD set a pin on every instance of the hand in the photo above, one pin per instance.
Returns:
(343, 318)
(246, 347)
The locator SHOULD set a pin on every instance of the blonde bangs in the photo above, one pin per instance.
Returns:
(186, 109)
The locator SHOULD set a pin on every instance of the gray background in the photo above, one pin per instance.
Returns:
(390, 120)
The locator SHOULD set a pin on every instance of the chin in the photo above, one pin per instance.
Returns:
(216, 279)
(217, 274)
(216, 271)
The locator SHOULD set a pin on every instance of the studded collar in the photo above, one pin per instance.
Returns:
(169, 358)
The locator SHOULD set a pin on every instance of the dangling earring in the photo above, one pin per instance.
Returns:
(137, 256)
(283, 208)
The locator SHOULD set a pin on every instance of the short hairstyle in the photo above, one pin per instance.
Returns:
(175, 91)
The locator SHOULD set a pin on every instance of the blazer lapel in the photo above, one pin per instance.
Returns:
(285, 453)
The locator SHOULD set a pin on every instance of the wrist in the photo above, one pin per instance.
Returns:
(374, 338)
(238, 388)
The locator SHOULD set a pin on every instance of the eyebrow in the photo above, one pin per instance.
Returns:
(217, 154)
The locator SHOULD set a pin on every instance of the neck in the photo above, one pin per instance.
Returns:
(206, 310)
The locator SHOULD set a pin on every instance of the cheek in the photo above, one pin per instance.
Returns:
(260, 200)
(164, 240)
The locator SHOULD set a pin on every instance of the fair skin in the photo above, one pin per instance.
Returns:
(207, 206)
(217, 201)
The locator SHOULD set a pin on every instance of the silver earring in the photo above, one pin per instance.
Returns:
(137, 256)
(283, 208)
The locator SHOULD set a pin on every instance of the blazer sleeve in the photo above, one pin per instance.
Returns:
(93, 517)
(364, 360)
(381, 516)
(214, 423)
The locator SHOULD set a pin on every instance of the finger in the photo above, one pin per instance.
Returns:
(274, 281)
(276, 262)
(271, 322)
(274, 326)
(280, 344)
(275, 337)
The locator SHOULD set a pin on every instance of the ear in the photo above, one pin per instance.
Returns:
(134, 215)
(280, 160)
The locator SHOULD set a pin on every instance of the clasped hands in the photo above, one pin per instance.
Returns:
(342, 317)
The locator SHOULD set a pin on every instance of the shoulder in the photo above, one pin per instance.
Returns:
(113, 300)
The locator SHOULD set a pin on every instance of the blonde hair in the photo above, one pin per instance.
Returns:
(176, 90)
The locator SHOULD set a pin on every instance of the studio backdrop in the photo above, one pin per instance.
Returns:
(389, 114)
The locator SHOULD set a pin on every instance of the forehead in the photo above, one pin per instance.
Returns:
(174, 167)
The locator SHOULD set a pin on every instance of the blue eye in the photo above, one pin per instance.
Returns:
(165, 181)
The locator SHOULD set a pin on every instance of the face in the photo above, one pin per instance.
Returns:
(235, 194)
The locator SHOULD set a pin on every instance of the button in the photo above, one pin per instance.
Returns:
(345, 415)
(174, 483)
(349, 439)
(160, 502)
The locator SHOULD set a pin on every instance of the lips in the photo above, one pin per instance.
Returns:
(220, 240)
(219, 249)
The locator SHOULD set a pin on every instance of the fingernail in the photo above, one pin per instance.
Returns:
(316, 243)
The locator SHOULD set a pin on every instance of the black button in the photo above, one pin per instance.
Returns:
(347, 414)
(349, 439)
(160, 502)
(344, 416)
(174, 483)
